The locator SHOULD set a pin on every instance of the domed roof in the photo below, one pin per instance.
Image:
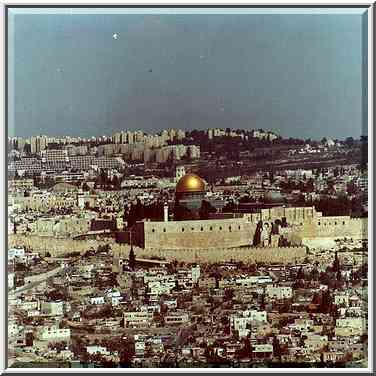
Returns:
(190, 183)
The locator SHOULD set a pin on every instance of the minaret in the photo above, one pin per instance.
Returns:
(165, 212)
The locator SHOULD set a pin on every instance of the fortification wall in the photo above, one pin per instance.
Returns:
(239, 232)
(56, 247)
(60, 247)
(334, 227)
(292, 215)
(343, 226)
(309, 223)
(213, 255)
(224, 233)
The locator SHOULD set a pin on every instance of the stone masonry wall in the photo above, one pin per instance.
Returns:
(199, 234)
(244, 254)
(60, 247)
(238, 232)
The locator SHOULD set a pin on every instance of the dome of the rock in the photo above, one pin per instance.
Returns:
(190, 183)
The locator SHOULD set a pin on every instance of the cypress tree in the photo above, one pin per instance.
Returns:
(132, 259)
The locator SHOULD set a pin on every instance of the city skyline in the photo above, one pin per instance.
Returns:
(299, 75)
(187, 188)
(159, 132)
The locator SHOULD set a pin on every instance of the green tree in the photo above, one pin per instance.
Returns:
(336, 264)
(277, 351)
(326, 302)
(132, 259)
(205, 210)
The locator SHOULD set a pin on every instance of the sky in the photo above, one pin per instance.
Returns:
(298, 74)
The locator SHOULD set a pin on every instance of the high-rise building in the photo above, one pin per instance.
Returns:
(38, 143)
(165, 135)
(180, 134)
(193, 151)
(130, 138)
(172, 134)
(139, 136)
(179, 173)
(116, 138)
(119, 137)
(21, 142)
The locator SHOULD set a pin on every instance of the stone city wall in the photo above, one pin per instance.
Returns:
(292, 215)
(61, 247)
(56, 247)
(309, 223)
(198, 234)
(334, 227)
(283, 255)
(343, 226)
(302, 223)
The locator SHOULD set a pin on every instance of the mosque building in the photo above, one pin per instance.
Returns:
(274, 227)
(189, 195)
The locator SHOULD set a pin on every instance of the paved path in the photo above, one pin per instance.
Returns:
(43, 277)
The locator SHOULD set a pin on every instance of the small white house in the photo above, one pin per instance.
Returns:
(54, 333)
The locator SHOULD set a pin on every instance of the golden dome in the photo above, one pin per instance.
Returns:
(190, 183)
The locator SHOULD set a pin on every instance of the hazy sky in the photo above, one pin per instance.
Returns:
(297, 74)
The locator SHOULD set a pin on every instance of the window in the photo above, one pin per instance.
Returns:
(229, 228)
(335, 223)
(153, 230)
(211, 228)
(164, 230)
(239, 228)
(202, 229)
(319, 223)
(192, 228)
(182, 230)
(220, 227)
(343, 222)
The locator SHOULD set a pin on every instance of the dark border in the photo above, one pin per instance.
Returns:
(372, 363)
(215, 6)
(6, 306)
(8, 7)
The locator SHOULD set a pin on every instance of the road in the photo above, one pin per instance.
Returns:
(31, 285)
